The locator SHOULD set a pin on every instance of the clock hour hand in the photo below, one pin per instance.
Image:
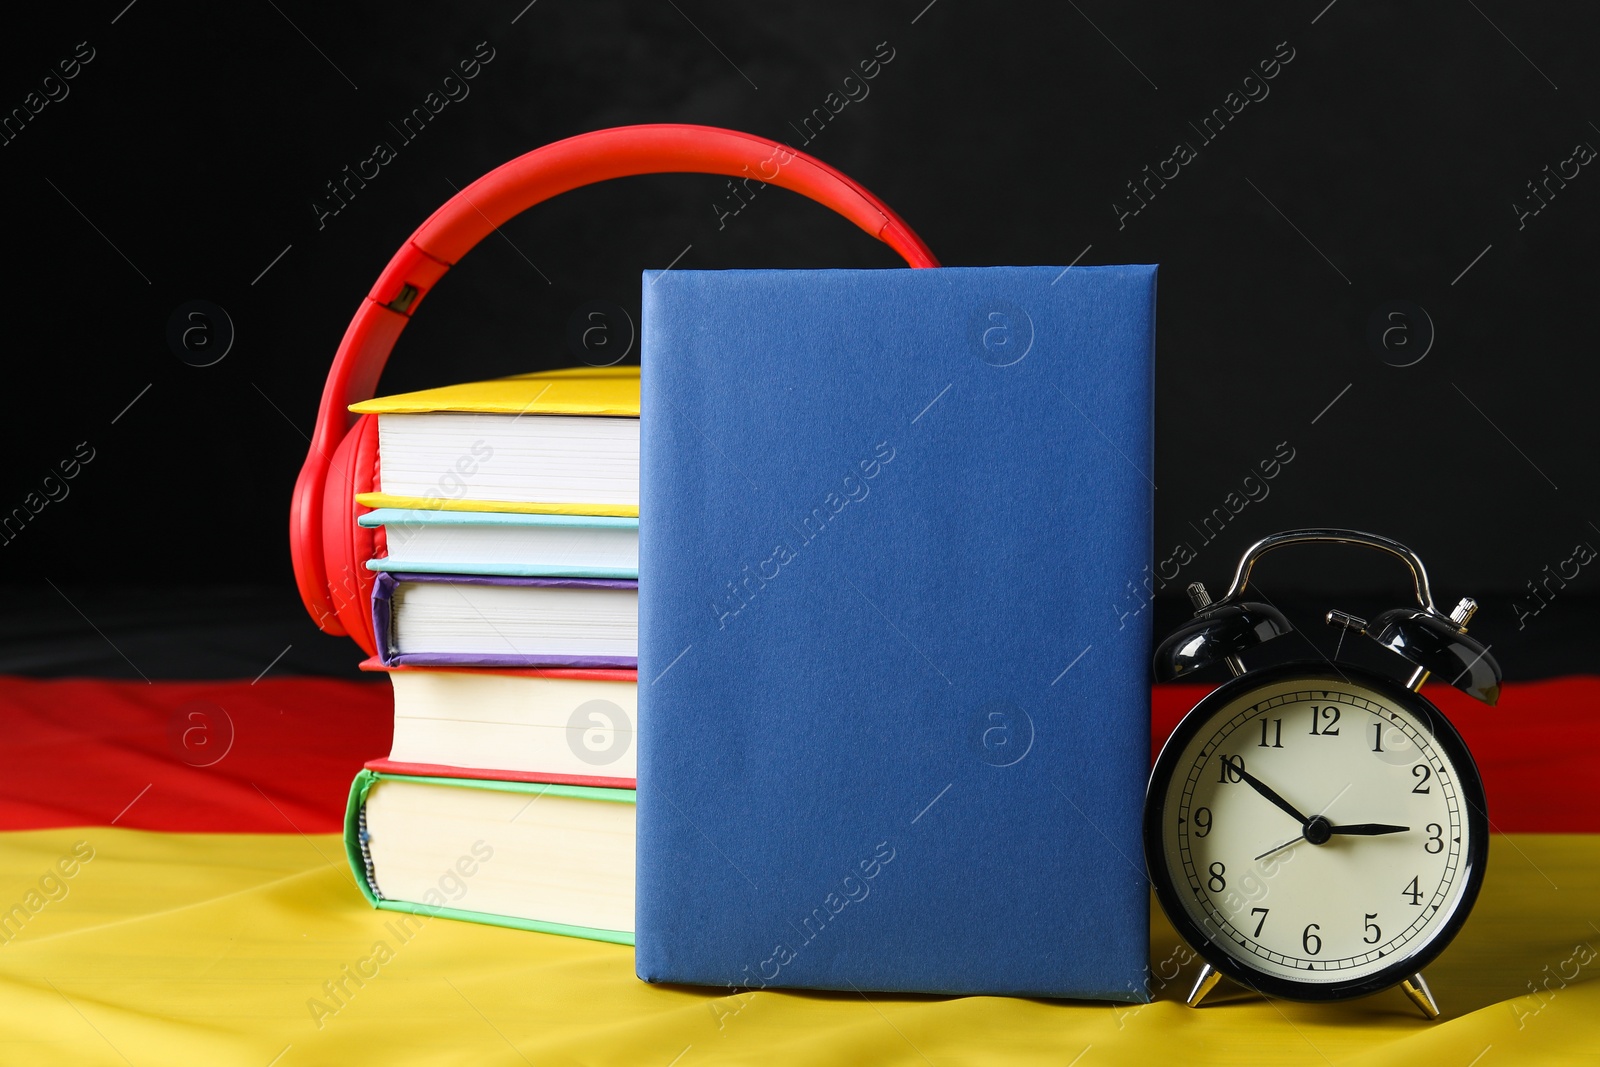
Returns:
(1261, 787)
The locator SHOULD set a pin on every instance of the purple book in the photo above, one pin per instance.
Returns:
(479, 620)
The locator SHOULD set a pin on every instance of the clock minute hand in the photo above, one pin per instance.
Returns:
(1261, 787)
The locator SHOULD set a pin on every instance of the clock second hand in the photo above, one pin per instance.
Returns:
(1304, 824)
(1279, 848)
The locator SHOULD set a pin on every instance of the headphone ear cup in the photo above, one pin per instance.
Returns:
(305, 544)
(352, 469)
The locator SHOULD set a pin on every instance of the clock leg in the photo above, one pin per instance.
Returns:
(1204, 983)
(1416, 988)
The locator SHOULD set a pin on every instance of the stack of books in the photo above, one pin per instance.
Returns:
(506, 610)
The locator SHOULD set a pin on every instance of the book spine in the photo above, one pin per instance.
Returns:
(383, 616)
(364, 840)
(356, 840)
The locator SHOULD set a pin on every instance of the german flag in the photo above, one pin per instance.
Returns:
(175, 891)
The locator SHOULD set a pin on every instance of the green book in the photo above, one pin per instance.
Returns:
(528, 855)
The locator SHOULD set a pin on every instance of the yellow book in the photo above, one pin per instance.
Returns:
(572, 391)
(470, 447)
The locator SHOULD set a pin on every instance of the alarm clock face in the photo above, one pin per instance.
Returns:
(1316, 832)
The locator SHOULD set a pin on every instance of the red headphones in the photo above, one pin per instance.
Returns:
(329, 550)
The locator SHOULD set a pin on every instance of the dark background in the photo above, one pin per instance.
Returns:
(1384, 165)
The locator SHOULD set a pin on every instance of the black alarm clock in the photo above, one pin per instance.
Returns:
(1316, 830)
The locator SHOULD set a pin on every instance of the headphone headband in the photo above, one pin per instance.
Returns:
(476, 212)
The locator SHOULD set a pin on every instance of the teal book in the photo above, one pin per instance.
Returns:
(514, 544)
(558, 859)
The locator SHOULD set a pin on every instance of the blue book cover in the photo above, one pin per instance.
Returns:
(893, 687)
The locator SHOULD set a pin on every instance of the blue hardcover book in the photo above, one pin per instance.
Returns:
(893, 700)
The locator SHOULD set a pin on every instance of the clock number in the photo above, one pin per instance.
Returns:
(1216, 881)
(1232, 769)
(1377, 737)
(1263, 921)
(1435, 839)
(1202, 821)
(1372, 926)
(1329, 719)
(1277, 734)
(1310, 941)
(1411, 890)
(1422, 772)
